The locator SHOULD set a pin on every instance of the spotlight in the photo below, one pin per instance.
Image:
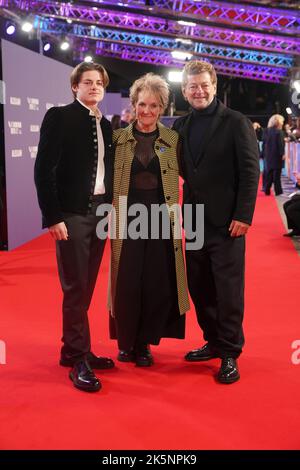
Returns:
(27, 26)
(183, 41)
(186, 23)
(88, 58)
(47, 46)
(175, 76)
(296, 85)
(10, 29)
(65, 45)
(181, 55)
(288, 111)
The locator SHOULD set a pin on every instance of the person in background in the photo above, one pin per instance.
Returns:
(115, 122)
(126, 117)
(148, 296)
(259, 137)
(258, 131)
(273, 153)
(221, 171)
(289, 136)
(73, 176)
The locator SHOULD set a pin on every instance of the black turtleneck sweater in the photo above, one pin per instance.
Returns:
(200, 122)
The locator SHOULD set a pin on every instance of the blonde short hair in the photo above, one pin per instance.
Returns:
(153, 84)
(194, 67)
(276, 120)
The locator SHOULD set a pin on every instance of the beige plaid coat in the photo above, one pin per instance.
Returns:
(165, 148)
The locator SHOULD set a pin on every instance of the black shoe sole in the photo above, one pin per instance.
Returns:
(228, 381)
(199, 359)
(85, 388)
(144, 363)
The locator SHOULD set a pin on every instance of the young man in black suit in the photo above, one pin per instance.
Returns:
(220, 168)
(73, 175)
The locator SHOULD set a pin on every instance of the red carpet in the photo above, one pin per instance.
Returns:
(173, 405)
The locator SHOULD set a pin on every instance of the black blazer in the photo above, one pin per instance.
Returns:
(225, 177)
(66, 163)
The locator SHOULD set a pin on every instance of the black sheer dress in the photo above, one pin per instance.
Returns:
(146, 303)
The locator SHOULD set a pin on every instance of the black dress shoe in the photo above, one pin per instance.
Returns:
(229, 371)
(203, 354)
(293, 233)
(126, 356)
(96, 362)
(143, 356)
(84, 378)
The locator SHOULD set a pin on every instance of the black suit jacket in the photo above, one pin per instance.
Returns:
(225, 177)
(66, 163)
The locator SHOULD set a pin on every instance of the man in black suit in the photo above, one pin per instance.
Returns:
(73, 176)
(220, 168)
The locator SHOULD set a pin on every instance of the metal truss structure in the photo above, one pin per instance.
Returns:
(221, 12)
(156, 25)
(151, 33)
(168, 44)
(236, 69)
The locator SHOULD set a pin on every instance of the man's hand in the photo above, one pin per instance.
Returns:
(59, 231)
(238, 228)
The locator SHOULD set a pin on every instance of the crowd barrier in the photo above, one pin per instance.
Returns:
(292, 159)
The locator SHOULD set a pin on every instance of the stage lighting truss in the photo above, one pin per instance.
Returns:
(156, 25)
(276, 64)
(234, 69)
(258, 17)
(248, 53)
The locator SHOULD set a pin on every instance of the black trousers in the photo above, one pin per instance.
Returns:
(78, 261)
(292, 212)
(273, 176)
(216, 284)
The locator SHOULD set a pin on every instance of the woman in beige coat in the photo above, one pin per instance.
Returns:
(148, 296)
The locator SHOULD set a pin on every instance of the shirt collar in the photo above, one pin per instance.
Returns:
(97, 114)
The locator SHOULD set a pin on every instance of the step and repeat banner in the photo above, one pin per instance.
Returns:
(32, 84)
